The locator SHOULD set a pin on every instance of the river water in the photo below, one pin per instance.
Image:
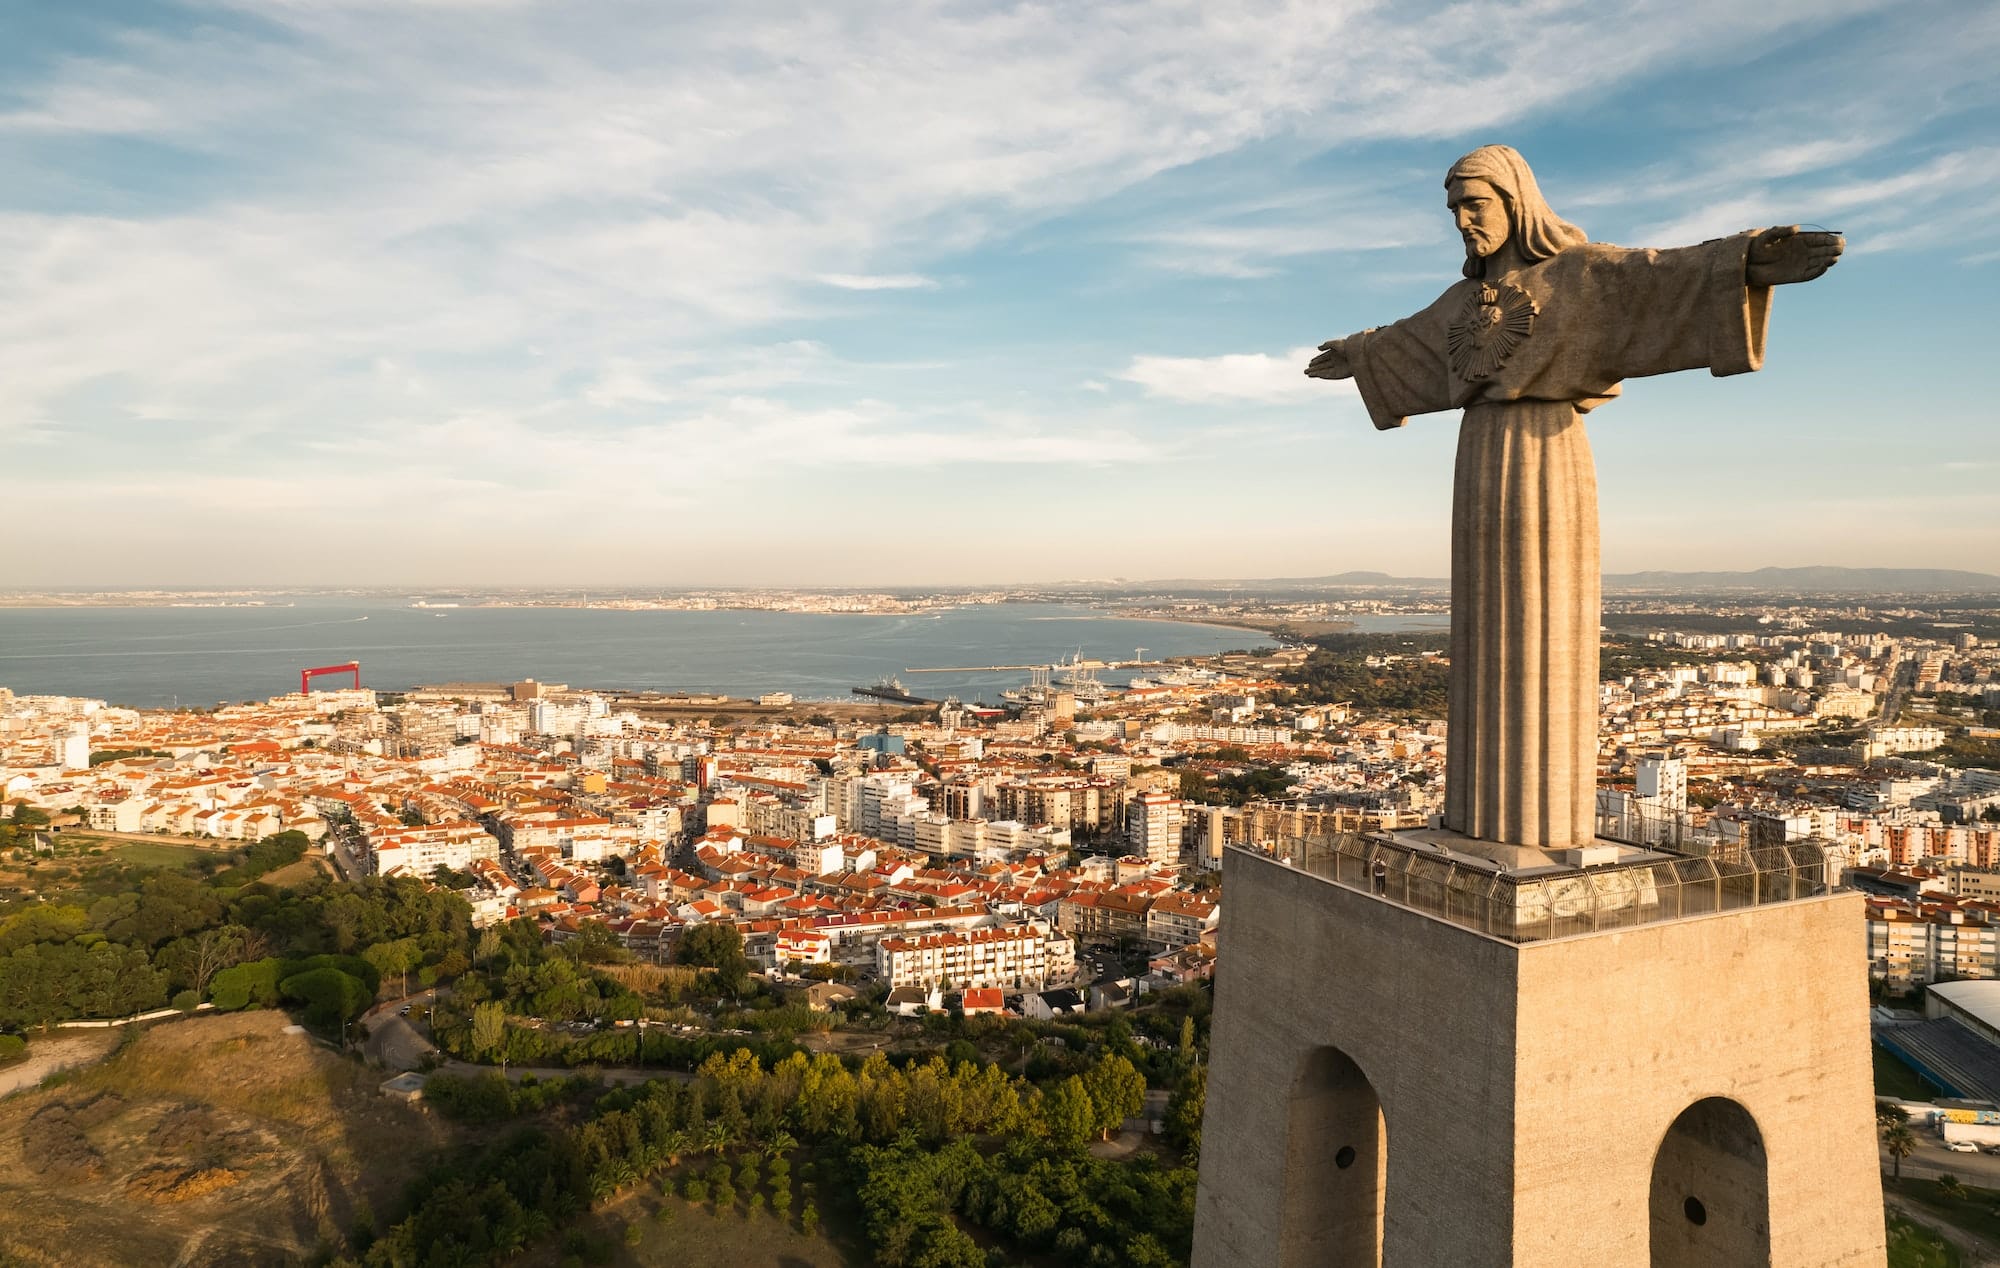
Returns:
(156, 656)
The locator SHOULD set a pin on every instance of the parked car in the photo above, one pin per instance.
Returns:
(1961, 1146)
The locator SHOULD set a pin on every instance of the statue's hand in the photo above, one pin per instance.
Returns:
(1331, 363)
(1782, 255)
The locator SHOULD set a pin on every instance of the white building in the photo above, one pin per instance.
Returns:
(1662, 784)
(1018, 957)
(1885, 740)
(1153, 827)
(72, 746)
(421, 851)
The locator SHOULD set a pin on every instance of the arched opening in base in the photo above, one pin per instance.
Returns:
(1336, 1166)
(1711, 1199)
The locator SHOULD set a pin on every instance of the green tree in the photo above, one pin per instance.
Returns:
(1145, 1251)
(595, 943)
(244, 985)
(1117, 1092)
(1184, 1110)
(194, 960)
(716, 945)
(399, 957)
(1899, 1142)
(1068, 1115)
(943, 1244)
(332, 998)
(489, 1029)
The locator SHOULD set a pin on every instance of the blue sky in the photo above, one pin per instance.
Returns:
(432, 291)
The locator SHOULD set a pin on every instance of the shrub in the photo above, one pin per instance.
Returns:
(482, 1098)
(634, 1235)
(696, 1191)
(246, 984)
(12, 1048)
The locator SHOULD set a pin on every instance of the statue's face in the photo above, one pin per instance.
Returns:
(1481, 215)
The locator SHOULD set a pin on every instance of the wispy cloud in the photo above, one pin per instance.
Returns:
(1241, 376)
(1898, 208)
(878, 281)
(492, 248)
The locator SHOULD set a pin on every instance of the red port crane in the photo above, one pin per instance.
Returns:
(307, 675)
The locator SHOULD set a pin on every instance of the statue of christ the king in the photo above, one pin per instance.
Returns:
(1538, 334)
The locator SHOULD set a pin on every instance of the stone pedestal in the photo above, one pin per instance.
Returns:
(1390, 1087)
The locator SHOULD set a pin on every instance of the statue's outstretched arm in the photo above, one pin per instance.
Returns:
(1332, 362)
(1785, 254)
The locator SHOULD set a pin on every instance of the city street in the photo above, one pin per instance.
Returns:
(1932, 1159)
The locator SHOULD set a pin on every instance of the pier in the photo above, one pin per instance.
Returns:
(970, 669)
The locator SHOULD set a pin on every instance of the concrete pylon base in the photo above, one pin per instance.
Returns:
(1390, 1088)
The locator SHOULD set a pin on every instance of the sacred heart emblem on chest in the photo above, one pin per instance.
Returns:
(1492, 323)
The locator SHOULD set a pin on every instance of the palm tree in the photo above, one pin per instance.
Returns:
(1900, 1142)
(781, 1143)
(536, 1224)
(674, 1144)
(715, 1138)
(510, 1237)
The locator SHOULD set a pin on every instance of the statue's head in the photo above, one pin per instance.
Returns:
(1493, 196)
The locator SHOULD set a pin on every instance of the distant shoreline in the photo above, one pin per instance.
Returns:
(1266, 631)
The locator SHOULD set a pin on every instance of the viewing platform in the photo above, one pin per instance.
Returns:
(1523, 895)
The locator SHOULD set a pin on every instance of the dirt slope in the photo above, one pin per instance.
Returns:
(213, 1140)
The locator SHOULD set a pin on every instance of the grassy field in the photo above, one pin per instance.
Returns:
(1894, 1077)
(157, 853)
(698, 1237)
(1976, 1212)
(1911, 1245)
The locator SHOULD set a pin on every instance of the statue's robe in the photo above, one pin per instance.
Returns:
(1525, 582)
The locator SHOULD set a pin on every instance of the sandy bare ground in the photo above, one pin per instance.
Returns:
(61, 1050)
(225, 1139)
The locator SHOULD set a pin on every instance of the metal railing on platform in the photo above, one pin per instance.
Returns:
(1546, 903)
